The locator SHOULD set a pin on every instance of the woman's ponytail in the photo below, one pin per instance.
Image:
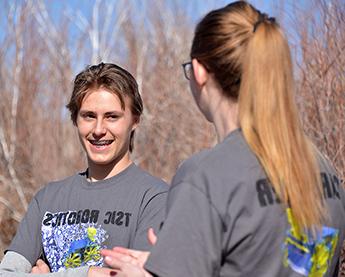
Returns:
(269, 120)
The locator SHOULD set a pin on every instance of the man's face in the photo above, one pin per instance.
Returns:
(104, 127)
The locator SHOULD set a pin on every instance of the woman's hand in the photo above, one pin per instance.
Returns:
(124, 255)
(127, 270)
(124, 262)
(113, 257)
(40, 268)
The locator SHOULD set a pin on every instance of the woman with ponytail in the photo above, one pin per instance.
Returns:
(263, 201)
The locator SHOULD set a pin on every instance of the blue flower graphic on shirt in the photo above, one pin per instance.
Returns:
(70, 246)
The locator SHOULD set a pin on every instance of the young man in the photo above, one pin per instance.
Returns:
(112, 203)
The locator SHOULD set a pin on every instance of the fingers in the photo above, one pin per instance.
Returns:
(123, 268)
(151, 236)
(124, 255)
(114, 262)
(35, 270)
(43, 266)
(115, 255)
(121, 251)
(95, 271)
(129, 252)
(40, 262)
(40, 268)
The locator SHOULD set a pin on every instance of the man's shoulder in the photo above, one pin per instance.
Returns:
(148, 181)
(54, 187)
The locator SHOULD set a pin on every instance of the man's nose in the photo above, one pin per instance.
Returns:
(100, 128)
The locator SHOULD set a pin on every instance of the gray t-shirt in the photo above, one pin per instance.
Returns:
(224, 219)
(69, 221)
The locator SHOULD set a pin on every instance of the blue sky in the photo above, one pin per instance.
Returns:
(194, 9)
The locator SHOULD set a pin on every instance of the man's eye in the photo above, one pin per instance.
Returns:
(113, 117)
(88, 116)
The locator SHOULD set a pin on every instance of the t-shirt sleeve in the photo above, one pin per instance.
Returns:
(152, 215)
(15, 265)
(14, 262)
(190, 240)
(27, 241)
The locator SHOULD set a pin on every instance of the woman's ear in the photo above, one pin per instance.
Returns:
(200, 72)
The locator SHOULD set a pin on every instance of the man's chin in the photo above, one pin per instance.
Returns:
(101, 162)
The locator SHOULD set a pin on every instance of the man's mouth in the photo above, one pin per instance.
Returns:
(99, 143)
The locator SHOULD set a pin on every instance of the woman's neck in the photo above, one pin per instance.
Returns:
(222, 111)
(225, 118)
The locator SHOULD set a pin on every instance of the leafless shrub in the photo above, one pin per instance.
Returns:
(40, 56)
(321, 86)
(322, 80)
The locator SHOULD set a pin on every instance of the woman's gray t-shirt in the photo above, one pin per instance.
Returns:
(224, 218)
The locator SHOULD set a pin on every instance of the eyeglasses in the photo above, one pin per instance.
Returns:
(187, 70)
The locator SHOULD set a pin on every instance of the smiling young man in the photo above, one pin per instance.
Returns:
(105, 132)
(112, 203)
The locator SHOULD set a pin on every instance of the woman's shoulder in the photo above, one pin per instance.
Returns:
(232, 154)
(331, 182)
(192, 163)
(325, 164)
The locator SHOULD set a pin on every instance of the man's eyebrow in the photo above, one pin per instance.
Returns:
(114, 112)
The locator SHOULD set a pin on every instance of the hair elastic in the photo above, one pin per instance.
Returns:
(262, 18)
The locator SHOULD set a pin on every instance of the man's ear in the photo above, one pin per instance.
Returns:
(136, 120)
(200, 72)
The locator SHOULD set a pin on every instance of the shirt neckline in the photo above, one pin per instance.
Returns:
(106, 182)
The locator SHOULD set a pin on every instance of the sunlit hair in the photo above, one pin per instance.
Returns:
(253, 66)
(112, 78)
